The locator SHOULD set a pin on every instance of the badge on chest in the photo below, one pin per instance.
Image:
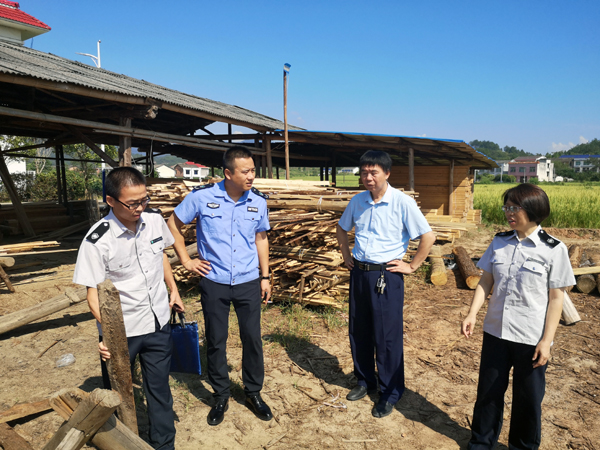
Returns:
(252, 209)
(213, 205)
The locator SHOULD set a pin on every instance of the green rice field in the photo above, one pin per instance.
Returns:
(573, 205)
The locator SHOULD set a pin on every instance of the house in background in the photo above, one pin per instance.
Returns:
(501, 169)
(191, 170)
(582, 163)
(524, 168)
(165, 171)
(17, 26)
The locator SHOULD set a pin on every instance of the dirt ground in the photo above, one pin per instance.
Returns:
(308, 364)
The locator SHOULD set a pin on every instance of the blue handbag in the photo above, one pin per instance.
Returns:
(186, 346)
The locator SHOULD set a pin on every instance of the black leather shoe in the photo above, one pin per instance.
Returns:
(259, 407)
(217, 412)
(382, 408)
(359, 392)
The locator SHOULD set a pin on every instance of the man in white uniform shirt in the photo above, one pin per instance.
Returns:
(127, 248)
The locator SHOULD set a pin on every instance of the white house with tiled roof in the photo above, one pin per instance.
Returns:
(17, 26)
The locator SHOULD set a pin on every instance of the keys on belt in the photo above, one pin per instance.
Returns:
(372, 267)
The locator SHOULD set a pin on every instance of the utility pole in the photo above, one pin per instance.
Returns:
(286, 71)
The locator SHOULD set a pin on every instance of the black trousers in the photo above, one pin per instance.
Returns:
(376, 329)
(529, 386)
(216, 299)
(154, 350)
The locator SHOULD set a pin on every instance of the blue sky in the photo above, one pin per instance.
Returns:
(520, 73)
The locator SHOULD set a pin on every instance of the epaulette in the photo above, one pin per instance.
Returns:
(203, 186)
(505, 233)
(100, 231)
(260, 194)
(545, 237)
(152, 210)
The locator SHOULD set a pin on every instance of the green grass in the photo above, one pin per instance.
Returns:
(573, 205)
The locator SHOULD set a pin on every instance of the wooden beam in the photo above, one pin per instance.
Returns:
(86, 420)
(16, 319)
(411, 169)
(451, 188)
(97, 150)
(114, 337)
(14, 197)
(125, 144)
(11, 440)
(21, 410)
(267, 147)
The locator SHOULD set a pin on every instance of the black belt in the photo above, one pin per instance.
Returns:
(367, 267)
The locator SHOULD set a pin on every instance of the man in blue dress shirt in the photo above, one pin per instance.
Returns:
(385, 220)
(231, 232)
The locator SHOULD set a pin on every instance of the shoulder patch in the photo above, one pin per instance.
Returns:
(152, 210)
(545, 237)
(260, 194)
(203, 186)
(98, 232)
(505, 233)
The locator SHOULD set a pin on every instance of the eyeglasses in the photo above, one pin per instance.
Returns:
(512, 209)
(136, 205)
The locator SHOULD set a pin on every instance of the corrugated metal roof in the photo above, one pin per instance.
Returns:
(22, 61)
(437, 148)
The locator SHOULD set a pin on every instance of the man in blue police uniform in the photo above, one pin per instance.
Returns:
(127, 248)
(385, 219)
(231, 231)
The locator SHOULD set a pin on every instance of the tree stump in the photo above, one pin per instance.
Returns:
(438, 276)
(470, 273)
(115, 339)
(586, 283)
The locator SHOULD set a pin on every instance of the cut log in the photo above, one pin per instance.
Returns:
(575, 259)
(7, 261)
(438, 277)
(19, 318)
(595, 260)
(86, 420)
(21, 410)
(586, 283)
(192, 250)
(470, 273)
(569, 312)
(113, 435)
(6, 280)
(115, 339)
(10, 440)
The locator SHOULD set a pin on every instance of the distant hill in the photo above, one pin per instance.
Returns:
(493, 150)
(591, 148)
(167, 160)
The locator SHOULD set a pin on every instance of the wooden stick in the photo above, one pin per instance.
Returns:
(86, 420)
(14, 320)
(6, 261)
(114, 337)
(6, 280)
(21, 410)
(10, 440)
(113, 435)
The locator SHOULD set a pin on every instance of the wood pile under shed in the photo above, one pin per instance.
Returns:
(306, 264)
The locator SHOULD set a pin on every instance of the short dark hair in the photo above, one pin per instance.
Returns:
(376, 158)
(120, 177)
(232, 154)
(532, 199)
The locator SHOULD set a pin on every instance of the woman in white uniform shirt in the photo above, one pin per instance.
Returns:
(528, 271)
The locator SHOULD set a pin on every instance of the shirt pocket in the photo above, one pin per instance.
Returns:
(533, 276)
(211, 222)
(157, 247)
(251, 220)
(120, 268)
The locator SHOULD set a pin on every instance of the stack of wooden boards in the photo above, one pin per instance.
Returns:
(306, 264)
(44, 216)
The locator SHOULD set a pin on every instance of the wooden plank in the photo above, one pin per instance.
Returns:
(586, 270)
(115, 339)
(10, 440)
(21, 410)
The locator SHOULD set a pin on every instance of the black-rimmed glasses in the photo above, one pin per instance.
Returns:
(512, 209)
(136, 205)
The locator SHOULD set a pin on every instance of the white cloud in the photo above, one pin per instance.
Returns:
(421, 135)
(583, 140)
(560, 147)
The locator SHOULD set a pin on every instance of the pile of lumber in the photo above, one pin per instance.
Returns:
(44, 217)
(26, 247)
